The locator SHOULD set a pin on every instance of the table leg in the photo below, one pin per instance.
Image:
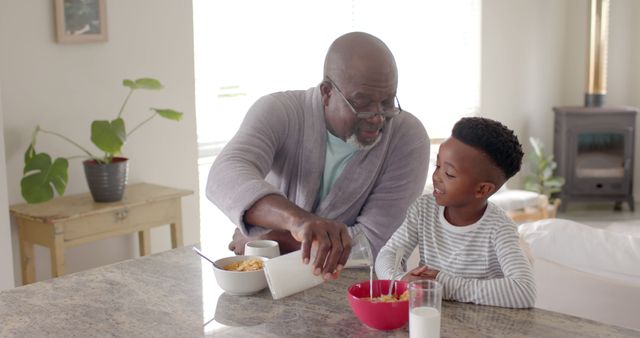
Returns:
(176, 234)
(144, 241)
(57, 256)
(176, 227)
(26, 261)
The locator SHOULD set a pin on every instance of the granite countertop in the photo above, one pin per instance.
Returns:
(174, 294)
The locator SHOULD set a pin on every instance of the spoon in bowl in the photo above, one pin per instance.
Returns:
(202, 255)
(396, 265)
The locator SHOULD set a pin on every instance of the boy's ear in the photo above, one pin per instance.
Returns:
(485, 189)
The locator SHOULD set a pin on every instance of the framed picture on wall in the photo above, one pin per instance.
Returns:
(80, 21)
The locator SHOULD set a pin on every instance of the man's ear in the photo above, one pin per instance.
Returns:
(325, 89)
(485, 189)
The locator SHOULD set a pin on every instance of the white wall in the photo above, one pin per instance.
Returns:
(534, 55)
(522, 59)
(65, 87)
(635, 85)
(6, 254)
(624, 68)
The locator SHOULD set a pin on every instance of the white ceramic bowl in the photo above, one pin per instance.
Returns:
(239, 283)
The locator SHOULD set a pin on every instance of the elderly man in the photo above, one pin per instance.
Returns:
(316, 166)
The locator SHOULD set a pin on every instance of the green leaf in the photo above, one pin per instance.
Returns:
(148, 83)
(109, 136)
(547, 173)
(129, 83)
(535, 158)
(552, 191)
(537, 146)
(543, 166)
(143, 83)
(41, 177)
(169, 114)
(556, 182)
(59, 175)
(38, 162)
(531, 184)
(33, 191)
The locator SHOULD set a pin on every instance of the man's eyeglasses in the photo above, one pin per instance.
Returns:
(386, 112)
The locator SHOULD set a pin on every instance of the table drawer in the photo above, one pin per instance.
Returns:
(124, 220)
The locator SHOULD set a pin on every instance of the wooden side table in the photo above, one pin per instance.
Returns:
(76, 219)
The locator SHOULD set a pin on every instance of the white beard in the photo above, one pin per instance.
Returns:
(353, 141)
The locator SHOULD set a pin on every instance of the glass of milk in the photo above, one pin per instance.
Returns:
(425, 303)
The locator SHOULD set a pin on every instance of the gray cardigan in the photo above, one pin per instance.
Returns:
(280, 149)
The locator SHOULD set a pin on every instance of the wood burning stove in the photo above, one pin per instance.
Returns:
(594, 148)
(594, 145)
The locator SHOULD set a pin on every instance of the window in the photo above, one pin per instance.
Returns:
(437, 49)
(248, 48)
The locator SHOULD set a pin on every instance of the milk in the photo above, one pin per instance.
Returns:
(424, 322)
(371, 281)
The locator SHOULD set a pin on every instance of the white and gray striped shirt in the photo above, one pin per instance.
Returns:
(481, 263)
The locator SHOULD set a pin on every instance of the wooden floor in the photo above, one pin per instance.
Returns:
(599, 214)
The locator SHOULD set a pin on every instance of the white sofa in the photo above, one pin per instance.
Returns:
(584, 271)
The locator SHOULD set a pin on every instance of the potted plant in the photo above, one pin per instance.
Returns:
(106, 174)
(542, 180)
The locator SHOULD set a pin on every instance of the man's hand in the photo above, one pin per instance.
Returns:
(330, 237)
(421, 272)
(331, 240)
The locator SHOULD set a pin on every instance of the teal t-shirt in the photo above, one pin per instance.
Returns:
(337, 156)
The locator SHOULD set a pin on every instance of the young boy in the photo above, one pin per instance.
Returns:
(467, 243)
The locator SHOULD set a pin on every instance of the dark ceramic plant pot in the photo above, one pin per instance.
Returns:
(107, 181)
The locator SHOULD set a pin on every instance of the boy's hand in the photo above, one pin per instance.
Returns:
(421, 272)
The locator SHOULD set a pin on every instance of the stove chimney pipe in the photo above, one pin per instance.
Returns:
(598, 41)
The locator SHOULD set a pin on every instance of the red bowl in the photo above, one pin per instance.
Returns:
(379, 315)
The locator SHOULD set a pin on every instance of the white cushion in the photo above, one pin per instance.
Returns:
(509, 199)
(601, 252)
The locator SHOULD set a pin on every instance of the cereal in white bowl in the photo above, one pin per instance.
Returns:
(240, 283)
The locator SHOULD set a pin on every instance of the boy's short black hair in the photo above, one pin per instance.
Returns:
(492, 138)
